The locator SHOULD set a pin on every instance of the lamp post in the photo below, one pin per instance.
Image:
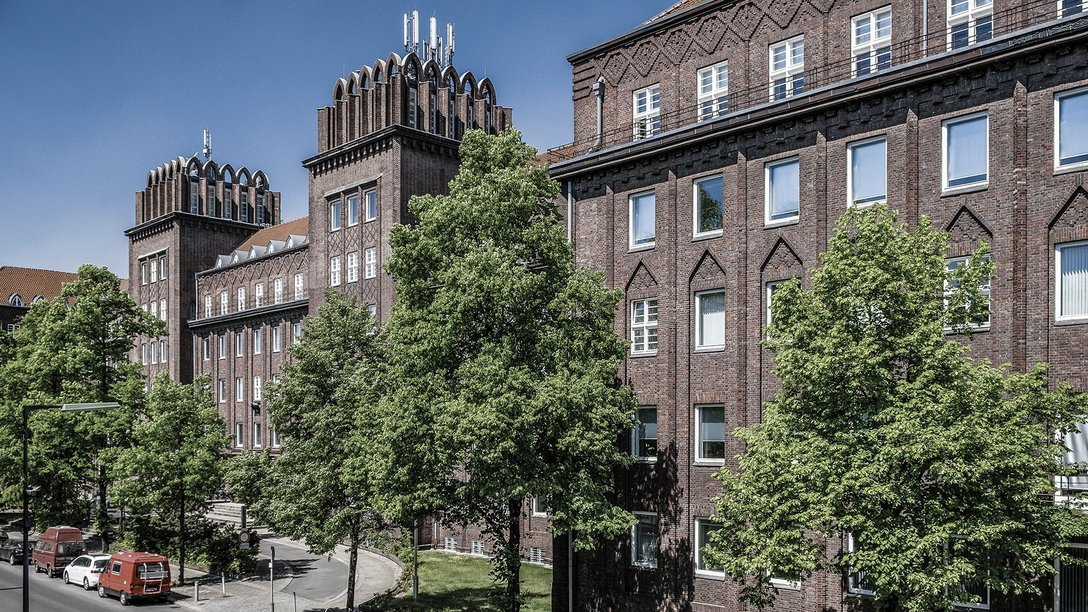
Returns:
(27, 408)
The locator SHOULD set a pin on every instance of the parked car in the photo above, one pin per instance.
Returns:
(135, 575)
(56, 548)
(85, 570)
(11, 550)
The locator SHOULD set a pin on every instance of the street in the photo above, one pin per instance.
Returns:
(52, 595)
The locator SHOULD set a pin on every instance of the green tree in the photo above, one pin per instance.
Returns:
(938, 467)
(502, 363)
(73, 349)
(176, 460)
(332, 374)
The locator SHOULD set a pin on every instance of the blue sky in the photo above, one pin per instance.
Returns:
(95, 94)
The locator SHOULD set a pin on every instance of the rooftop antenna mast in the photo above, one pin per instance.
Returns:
(434, 48)
(411, 32)
(207, 144)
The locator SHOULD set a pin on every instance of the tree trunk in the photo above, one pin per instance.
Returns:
(181, 536)
(513, 556)
(353, 563)
(102, 519)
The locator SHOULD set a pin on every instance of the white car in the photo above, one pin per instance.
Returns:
(84, 570)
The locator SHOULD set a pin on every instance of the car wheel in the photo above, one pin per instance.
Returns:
(66, 581)
(11, 559)
(124, 598)
(86, 585)
(101, 591)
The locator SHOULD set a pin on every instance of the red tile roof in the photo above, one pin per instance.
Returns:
(29, 283)
(676, 8)
(556, 154)
(298, 227)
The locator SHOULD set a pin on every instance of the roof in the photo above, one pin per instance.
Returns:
(283, 231)
(30, 283)
(679, 11)
(557, 154)
(138, 557)
(676, 8)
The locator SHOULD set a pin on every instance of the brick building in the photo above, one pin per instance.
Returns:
(23, 287)
(714, 147)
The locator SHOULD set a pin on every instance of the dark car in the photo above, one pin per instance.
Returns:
(11, 550)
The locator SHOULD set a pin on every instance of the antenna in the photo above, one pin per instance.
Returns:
(433, 39)
(207, 144)
(415, 31)
(449, 44)
(407, 33)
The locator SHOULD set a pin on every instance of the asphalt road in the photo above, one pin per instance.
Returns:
(315, 577)
(52, 595)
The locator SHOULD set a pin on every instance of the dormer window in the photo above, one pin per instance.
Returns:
(16, 300)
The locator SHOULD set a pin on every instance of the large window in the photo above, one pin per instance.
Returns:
(239, 342)
(708, 207)
(207, 305)
(1068, 8)
(222, 346)
(371, 204)
(239, 434)
(334, 215)
(642, 227)
(772, 286)
(644, 327)
(871, 44)
(868, 170)
(239, 389)
(983, 288)
(783, 191)
(256, 388)
(858, 583)
(713, 91)
(258, 341)
(353, 210)
(223, 304)
(277, 340)
(256, 435)
(710, 320)
(644, 540)
(277, 290)
(969, 22)
(787, 68)
(710, 434)
(966, 151)
(334, 270)
(222, 390)
(644, 435)
(1071, 290)
(371, 269)
(258, 295)
(299, 292)
(241, 299)
(353, 266)
(1071, 127)
(703, 529)
(646, 112)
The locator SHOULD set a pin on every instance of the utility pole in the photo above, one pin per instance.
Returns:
(272, 577)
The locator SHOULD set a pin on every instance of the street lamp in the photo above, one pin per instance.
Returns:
(27, 408)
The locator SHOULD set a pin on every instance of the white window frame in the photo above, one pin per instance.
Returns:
(1058, 314)
(634, 541)
(636, 437)
(852, 576)
(300, 291)
(334, 271)
(257, 434)
(646, 325)
(143, 272)
(538, 506)
(353, 210)
(850, 152)
(239, 434)
(274, 438)
(222, 390)
(695, 233)
(143, 354)
(258, 295)
(699, 296)
(208, 306)
(713, 85)
(334, 215)
(371, 196)
(699, 458)
(241, 299)
(371, 265)
(162, 309)
(767, 167)
(222, 352)
(224, 303)
(239, 389)
(206, 348)
(257, 395)
(277, 338)
(631, 245)
(154, 309)
(701, 525)
(162, 267)
(1078, 7)
(1058, 165)
(154, 272)
(876, 46)
(239, 343)
(296, 332)
(646, 121)
(277, 291)
(984, 289)
(769, 288)
(258, 346)
(976, 10)
(944, 153)
(353, 266)
(162, 351)
(790, 69)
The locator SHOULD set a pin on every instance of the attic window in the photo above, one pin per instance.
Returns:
(38, 299)
(16, 300)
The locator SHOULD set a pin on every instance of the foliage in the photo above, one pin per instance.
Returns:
(208, 544)
(456, 582)
(502, 362)
(332, 375)
(939, 466)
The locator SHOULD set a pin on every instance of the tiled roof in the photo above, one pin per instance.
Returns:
(283, 231)
(676, 8)
(556, 154)
(29, 283)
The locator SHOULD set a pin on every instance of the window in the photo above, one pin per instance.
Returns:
(296, 332)
(155, 309)
(256, 388)
(260, 204)
(239, 343)
(783, 191)
(703, 529)
(239, 432)
(143, 353)
(646, 111)
(371, 262)
(258, 346)
(222, 390)
(871, 44)
(276, 338)
(1070, 146)
(1071, 290)
(644, 540)
(223, 307)
(162, 267)
(277, 291)
(241, 299)
(708, 207)
(222, 346)
(353, 266)
(540, 506)
(867, 167)
(371, 204)
(256, 435)
(154, 352)
(983, 288)
(206, 348)
(643, 220)
(194, 192)
(239, 389)
(1067, 8)
(162, 351)
(143, 272)
(858, 583)
(644, 327)
(353, 210)
(644, 435)
(334, 215)
(771, 288)
(966, 151)
(154, 273)
(334, 270)
(162, 309)
(207, 306)
(713, 91)
(299, 292)
(710, 434)
(710, 320)
(969, 22)
(275, 437)
(243, 197)
(258, 295)
(787, 72)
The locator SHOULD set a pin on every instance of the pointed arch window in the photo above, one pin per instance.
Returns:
(228, 197)
(211, 207)
(470, 118)
(451, 116)
(487, 112)
(411, 101)
(194, 191)
(432, 99)
(16, 300)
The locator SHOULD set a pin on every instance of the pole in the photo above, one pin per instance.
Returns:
(272, 577)
(415, 561)
(26, 512)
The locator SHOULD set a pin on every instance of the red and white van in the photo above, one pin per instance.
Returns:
(56, 547)
(135, 575)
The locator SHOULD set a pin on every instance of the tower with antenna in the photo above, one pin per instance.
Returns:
(434, 48)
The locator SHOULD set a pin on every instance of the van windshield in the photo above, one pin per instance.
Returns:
(71, 549)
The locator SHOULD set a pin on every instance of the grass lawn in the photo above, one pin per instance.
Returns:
(459, 582)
